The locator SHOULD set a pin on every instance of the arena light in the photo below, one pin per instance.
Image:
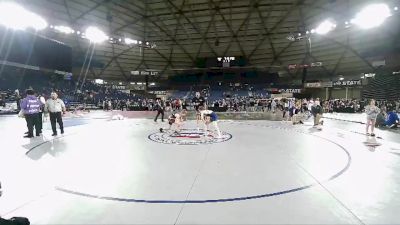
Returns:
(372, 16)
(16, 17)
(99, 81)
(95, 35)
(325, 27)
(64, 29)
(396, 8)
(36, 22)
(129, 41)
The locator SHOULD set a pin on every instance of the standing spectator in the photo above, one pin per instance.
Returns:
(285, 107)
(273, 106)
(31, 108)
(55, 107)
(184, 104)
(109, 106)
(18, 99)
(43, 102)
(198, 101)
(316, 110)
(160, 110)
(372, 112)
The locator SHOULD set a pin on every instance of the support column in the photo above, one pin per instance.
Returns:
(146, 87)
(347, 92)
(326, 93)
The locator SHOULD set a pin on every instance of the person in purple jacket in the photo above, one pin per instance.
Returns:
(31, 107)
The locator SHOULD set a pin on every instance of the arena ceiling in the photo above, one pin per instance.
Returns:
(184, 30)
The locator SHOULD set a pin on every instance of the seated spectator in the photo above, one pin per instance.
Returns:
(380, 119)
(392, 119)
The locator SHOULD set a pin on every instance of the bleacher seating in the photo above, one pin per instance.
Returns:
(383, 87)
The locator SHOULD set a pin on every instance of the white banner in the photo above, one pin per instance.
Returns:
(297, 91)
(313, 85)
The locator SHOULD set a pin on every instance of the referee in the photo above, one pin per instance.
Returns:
(55, 106)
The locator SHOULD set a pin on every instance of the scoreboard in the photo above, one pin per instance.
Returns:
(221, 62)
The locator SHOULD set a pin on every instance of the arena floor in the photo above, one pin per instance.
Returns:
(104, 171)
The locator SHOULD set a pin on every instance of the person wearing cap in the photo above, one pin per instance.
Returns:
(55, 107)
(30, 106)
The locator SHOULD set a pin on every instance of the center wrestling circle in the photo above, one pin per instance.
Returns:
(188, 137)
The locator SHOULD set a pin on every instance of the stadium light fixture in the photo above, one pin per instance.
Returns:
(16, 17)
(99, 81)
(396, 8)
(95, 35)
(36, 22)
(64, 29)
(341, 78)
(325, 27)
(372, 16)
(129, 41)
(313, 31)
